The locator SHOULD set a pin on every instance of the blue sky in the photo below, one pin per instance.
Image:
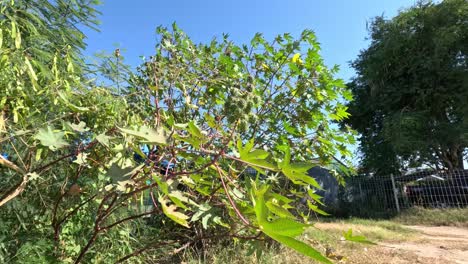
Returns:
(340, 25)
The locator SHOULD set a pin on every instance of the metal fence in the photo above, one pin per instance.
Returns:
(383, 195)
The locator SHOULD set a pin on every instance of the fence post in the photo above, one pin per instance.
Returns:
(361, 196)
(395, 193)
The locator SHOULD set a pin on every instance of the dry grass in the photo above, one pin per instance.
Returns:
(434, 217)
(325, 237)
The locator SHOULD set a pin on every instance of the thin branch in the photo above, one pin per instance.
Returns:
(90, 145)
(139, 251)
(127, 219)
(15, 191)
(59, 223)
(18, 188)
(234, 206)
(11, 165)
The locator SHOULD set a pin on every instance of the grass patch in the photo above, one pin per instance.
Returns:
(434, 217)
(325, 237)
(238, 254)
(374, 230)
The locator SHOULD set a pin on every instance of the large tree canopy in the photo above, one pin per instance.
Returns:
(411, 89)
(205, 141)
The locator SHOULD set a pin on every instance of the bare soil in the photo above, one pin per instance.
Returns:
(435, 245)
(428, 244)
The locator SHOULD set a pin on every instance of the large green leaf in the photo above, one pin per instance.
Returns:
(62, 95)
(282, 230)
(279, 210)
(255, 158)
(49, 138)
(315, 208)
(300, 247)
(317, 198)
(80, 127)
(261, 210)
(194, 129)
(149, 135)
(103, 139)
(283, 227)
(297, 172)
(170, 211)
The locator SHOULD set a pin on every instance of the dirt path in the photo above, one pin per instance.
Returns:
(436, 244)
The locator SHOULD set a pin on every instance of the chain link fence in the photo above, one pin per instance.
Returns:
(386, 195)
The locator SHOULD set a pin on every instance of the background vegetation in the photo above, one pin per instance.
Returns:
(211, 143)
(411, 88)
(156, 163)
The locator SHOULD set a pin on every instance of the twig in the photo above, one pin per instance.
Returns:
(17, 189)
(127, 219)
(141, 250)
(230, 199)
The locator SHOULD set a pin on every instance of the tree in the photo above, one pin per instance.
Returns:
(45, 100)
(411, 89)
(196, 116)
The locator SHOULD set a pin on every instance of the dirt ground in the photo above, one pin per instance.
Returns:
(431, 245)
(435, 245)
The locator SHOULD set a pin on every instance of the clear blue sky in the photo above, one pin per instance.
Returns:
(340, 25)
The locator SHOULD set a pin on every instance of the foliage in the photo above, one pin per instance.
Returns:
(434, 216)
(158, 163)
(411, 89)
(327, 237)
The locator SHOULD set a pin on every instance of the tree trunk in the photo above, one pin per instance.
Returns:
(452, 158)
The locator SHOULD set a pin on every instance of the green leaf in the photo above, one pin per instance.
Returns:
(282, 230)
(163, 186)
(300, 247)
(32, 74)
(178, 198)
(283, 227)
(180, 126)
(51, 139)
(287, 157)
(255, 158)
(149, 135)
(103, 139)
(261, 164)
(38, 154)
(359, 239)
(217, 220)
(118, 173)
(33, 176)
(202, 209)
(290, 129)
(74, 107)
(279, 210)
(260, 208)
(298, 173)
(205, 220)
(210, 120)
(315, 208)
(13, 30)
(80, 127)
(257, 154)
(170, 211)
(317, 198)
(81, 158)
(194, 129)
(281, 198)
